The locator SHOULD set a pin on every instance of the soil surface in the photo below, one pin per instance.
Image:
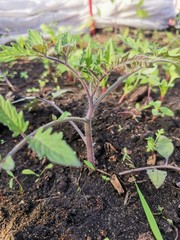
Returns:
(78, 204)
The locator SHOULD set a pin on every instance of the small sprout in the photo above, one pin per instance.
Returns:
(126, 156)
(24, 74)
(120, 128)
(11, 181)
(105, 178)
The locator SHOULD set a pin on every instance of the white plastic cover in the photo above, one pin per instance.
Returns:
(17, 16)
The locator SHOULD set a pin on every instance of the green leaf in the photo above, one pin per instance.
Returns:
(105, 178)
(141, 13)
(99, 57)
(109, 53)
(11, 118)
(29, 172)
(11, 183)
(140, 3)
(166, 111)
(157, 177)
(54, 148)
(60, 92)
(149, 215)
(49, 166)
(36, 41)
(13, 52)
(10, 173)
(89, 165)
(164, 147)
(8, 164)
(58, 46)
(155, 112)
(20, 188)
(64, 116)
(88, 55)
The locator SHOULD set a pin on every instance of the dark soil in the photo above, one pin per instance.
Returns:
(77, 204)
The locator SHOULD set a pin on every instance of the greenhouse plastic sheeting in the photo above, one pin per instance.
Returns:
(17, 16)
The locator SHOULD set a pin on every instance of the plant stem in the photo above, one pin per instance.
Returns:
(7, 81)
(50, 124)
(166, 166)
(114, 86)
(52, 103)
(89, 142)
(88, 132)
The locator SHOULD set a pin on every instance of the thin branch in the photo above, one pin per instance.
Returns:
(114, 86)
(166, 166)
(76, 74)
(103, 172)
(50, 124)
(156, 60)
(7, 81)
(61, 112)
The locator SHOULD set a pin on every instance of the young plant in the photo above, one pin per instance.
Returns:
(89, 69)
(38, 175)
(165, 148)
(158, 110)
(14, 179)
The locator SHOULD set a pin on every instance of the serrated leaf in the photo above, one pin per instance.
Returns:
(89, 165)
(58, 46)
(29, 172)
(109, 53)
(8, 164)
(51, 145)
(13, 52)
(164, 147)
(36, 41)
(157, 177)
(149, 215)
(174, 52)
(99, 57)
(11, 118)
(64, 116)
(88, 55)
